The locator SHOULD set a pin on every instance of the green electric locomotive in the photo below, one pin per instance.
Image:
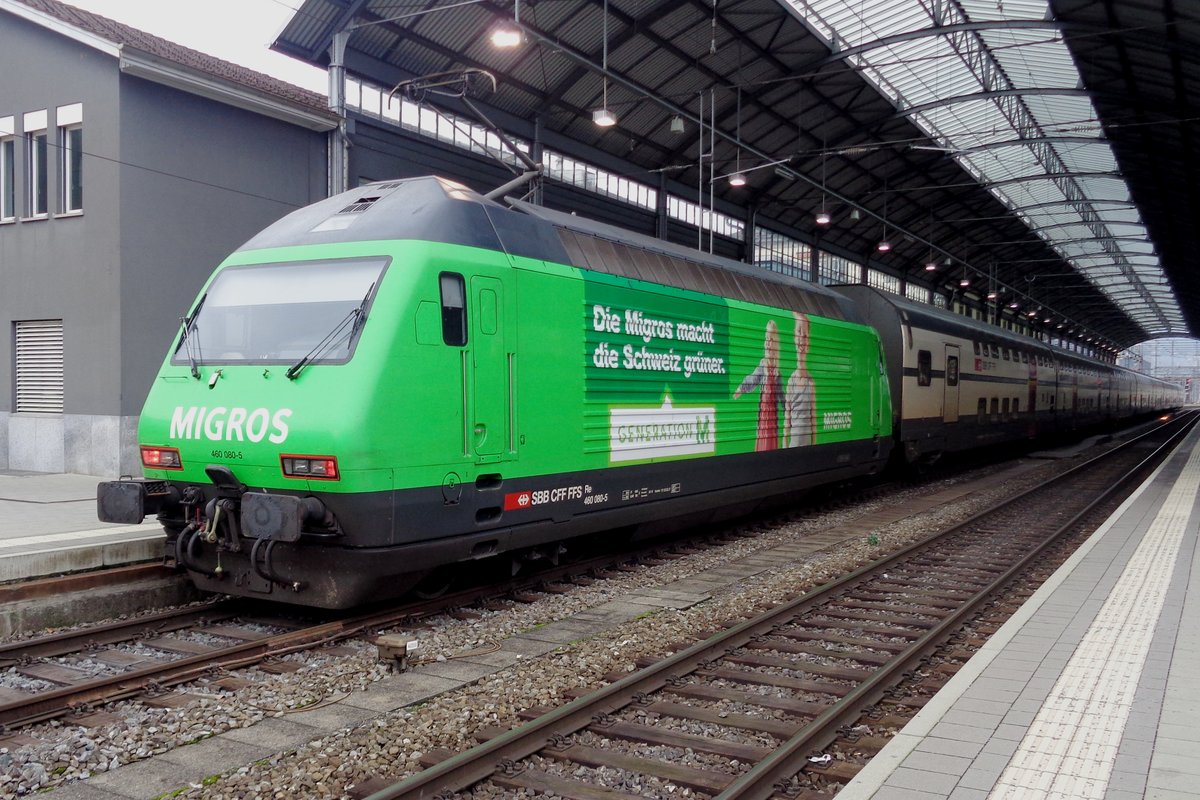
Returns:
(408, 376)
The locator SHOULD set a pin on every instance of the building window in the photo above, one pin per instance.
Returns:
(70, 144)
(8, 154)
(35, 164)
(39, 357)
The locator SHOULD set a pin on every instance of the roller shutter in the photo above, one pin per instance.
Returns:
(39, 349)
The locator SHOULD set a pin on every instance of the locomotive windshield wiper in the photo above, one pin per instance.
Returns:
(357, 315)
(186, 340)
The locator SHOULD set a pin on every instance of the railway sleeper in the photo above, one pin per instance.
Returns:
(698, 780)
(778, 681)
(553, 785)
(837, 673)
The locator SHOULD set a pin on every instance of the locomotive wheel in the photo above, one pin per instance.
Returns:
(433, 584)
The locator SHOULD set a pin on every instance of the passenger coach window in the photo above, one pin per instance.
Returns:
(924, 367)
(952, 370)
(976, 348)
(454, 309)
(981, 411)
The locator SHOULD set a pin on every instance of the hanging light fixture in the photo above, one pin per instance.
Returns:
(884, 245)
(603, 117)
(738, 178)
(508, 34)
(823, 216)
(930, 265)
(855, 215)
(677, 126)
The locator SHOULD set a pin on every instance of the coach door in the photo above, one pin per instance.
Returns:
(950, 397)
(491, 383)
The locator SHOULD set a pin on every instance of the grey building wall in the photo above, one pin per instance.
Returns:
(171, 184)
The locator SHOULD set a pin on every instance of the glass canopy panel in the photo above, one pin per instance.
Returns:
(996, 61)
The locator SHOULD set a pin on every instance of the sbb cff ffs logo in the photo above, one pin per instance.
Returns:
(518, 500)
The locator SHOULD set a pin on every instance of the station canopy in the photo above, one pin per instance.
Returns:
(1039, 151)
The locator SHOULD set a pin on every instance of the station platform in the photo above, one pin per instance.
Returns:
(1092, 689)
(48, 526)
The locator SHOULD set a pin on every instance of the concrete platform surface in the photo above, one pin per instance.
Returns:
(1090, 691)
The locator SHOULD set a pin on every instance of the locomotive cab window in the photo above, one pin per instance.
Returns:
(284, 313)
(924, 367)
(454, 309)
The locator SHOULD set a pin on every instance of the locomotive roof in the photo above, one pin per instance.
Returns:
(426, 208)
(440, 210)
(940, 319)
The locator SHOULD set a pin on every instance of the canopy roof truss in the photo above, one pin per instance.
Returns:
(959, 129)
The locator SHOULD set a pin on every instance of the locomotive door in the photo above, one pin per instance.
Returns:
(491, 395)
(950, 396)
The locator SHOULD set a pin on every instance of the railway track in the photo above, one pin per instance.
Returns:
(750, 712)
(74, 673)
(71, 674)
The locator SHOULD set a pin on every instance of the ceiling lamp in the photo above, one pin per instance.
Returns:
(930, 266)
(993, 294)
(506, 35)
(964, 282)
(677, 126)
(855, 215)
(823, 217)
(737, 179)
(509, 34)
(1014, 304)
(884, 245)
(602, 116)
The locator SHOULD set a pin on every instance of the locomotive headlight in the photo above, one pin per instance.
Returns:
(161, 458)
(321, 467)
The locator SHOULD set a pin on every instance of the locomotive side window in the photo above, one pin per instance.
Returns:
(976, 348)
(924, 367)
(454, 309)
(952, 370)
(981, 411)
(1004, 408)
(1016, 406)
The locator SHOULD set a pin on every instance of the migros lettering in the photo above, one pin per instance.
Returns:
(221, 424)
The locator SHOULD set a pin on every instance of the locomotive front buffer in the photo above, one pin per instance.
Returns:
(226, 515)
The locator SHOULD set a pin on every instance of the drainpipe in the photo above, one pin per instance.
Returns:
(339, 142)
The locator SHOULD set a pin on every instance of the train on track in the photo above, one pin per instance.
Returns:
(409, 376)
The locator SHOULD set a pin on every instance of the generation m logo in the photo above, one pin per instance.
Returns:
(662, 431)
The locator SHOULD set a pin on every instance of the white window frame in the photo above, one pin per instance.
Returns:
(70, 119)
